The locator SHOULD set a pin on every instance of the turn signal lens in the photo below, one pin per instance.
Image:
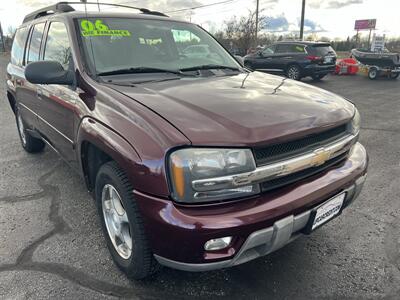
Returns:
(178, 176)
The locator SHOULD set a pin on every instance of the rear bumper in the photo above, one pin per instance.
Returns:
(259, 225)
(319, 70)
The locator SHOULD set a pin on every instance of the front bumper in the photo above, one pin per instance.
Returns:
(264, 241)
(259, 225)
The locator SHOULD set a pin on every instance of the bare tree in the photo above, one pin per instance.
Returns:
(11, 32)
(242, 31)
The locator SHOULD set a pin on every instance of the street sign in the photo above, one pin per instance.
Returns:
(378, 43)
(365, 24)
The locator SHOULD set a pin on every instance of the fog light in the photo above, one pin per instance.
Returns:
(218, 244)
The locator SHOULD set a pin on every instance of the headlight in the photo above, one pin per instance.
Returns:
(356, 123)
(187, 165)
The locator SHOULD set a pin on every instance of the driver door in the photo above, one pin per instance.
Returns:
(57, 102)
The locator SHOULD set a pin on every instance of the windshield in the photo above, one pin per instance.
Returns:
(119, 43)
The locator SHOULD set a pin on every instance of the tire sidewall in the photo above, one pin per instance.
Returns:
(102, 179)
(373, 73)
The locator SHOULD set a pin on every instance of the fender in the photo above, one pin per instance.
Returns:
(107, 141)
(121, 151)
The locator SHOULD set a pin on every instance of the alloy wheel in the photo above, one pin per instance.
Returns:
(21, 129)
(116, 220)
(293, 73)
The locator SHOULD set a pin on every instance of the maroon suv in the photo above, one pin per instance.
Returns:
(195, 162)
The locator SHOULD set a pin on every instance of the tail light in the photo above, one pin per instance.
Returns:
(314, 58)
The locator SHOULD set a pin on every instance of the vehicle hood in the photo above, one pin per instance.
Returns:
(242, 110)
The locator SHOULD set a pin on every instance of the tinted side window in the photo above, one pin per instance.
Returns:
(283, 48)
(269, 50)
(18, 47)
(297, 49)
(34, 46)
(57, 44)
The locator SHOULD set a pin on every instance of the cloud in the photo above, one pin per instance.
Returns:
(312, 26)
(340, 4)
(332, 4)
(276, 24)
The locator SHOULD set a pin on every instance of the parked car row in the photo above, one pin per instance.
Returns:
(296, 60)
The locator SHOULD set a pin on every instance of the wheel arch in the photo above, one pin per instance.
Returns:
(98, 144)
(12, 101)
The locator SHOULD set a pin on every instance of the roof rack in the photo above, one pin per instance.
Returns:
(62, 7)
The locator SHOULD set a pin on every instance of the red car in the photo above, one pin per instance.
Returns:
(194, 162)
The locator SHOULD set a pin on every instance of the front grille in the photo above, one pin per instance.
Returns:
(276, 152)
(288, 179)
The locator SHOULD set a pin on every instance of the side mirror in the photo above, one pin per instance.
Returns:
(48, 72)
(239, 59)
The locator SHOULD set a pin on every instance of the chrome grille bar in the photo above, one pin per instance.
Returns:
(278, 169)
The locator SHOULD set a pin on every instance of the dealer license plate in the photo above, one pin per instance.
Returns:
(327, 211)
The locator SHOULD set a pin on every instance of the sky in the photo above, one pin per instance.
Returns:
(330, 18)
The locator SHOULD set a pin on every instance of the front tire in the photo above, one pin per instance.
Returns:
(28, 142)
(122, 223)
(293, 72)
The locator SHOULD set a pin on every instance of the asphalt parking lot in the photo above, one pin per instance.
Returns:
(51, 245)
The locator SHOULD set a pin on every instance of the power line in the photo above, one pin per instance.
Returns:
(197, 7)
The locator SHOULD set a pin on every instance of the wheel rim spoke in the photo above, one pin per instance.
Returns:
(116, 221)
(21, 129)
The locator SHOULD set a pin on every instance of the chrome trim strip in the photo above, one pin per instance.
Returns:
(48, 124)
(278, 169)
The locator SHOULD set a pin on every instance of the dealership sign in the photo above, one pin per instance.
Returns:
(365, 24)
(378, 43)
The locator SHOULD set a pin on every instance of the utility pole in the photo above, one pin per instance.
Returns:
(2, 39)
(303, 11)
(257, 11)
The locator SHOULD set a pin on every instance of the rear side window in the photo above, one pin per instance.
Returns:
(57, 44)
(283, 48)
(18, 47)
(297, 49)
(269, 50)
(34, 45)
(320, 50)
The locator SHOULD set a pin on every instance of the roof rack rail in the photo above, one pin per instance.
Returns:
(62, 7)
(59, 7)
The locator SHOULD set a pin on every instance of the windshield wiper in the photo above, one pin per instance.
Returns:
(140, 70)
(209, 67)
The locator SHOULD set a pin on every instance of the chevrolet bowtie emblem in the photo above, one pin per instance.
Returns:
(320, 157)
